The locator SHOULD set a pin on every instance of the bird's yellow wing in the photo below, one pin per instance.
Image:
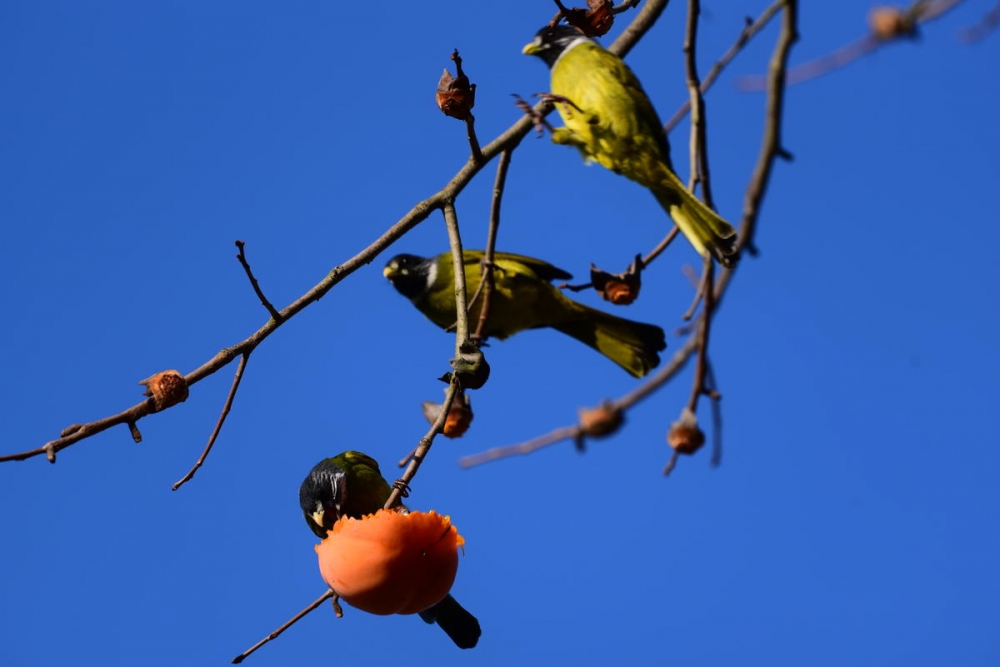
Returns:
(610, 118)
(514, 263)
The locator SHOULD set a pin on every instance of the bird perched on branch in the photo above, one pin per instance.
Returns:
(351, 484)
(610, 120)
(523, 298)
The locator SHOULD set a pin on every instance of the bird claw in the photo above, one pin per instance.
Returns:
(537, 118)
(558, 99)
(404, 488)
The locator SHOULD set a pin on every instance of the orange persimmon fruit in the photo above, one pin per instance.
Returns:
(389, 562)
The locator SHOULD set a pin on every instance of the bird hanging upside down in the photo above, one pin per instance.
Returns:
(351, 485)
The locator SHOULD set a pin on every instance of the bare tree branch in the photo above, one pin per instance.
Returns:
(507, 140)
(771, 150)
(886, 25)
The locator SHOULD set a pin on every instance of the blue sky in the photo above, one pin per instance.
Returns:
(854, 519)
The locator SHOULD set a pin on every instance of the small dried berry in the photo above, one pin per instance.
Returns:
(459, 417)
(167, 388)
(622, 288)
(684, 435)
(592, 22)
(601, 421)
(887, 23)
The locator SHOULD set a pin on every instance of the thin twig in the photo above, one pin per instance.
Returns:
(558, 435)
(749, 31)
(928, 10)
(420, 453)
(698, 150)
(294, 619)
(716, 397)
(253, 282)
(771, 145)
(458, 265)
(699, 135)
(701, 287)
(486, 268)
(698, 385)
(987, 24)
(470, 126)
(417, 456)
(661, 246)
(671, 464)
(218, 424)
(625, 6)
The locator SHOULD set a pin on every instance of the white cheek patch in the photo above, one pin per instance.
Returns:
(432, 275)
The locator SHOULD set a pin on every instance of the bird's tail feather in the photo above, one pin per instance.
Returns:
(459, 624)
(632, 345)
(704, 228)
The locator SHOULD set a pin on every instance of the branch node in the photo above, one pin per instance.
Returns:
(134, 430)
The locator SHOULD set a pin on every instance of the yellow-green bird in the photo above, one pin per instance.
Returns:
(523, 298)
(610, 120)
(351, 484)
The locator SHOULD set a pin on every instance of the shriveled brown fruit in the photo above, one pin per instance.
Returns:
(459, 416)
(887, 23)
(594, 21)
(601, 421)
(622, 288)
(166, 388)
(685, 436)
(455, 95)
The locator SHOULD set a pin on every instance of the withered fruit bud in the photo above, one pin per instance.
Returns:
(603, 420)
(620, 289)
(684, 435)
(455, 95)
(592, 22)
(167, 388)
(888, 23)
(600, 18)
(620, 292)
(459, 417)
